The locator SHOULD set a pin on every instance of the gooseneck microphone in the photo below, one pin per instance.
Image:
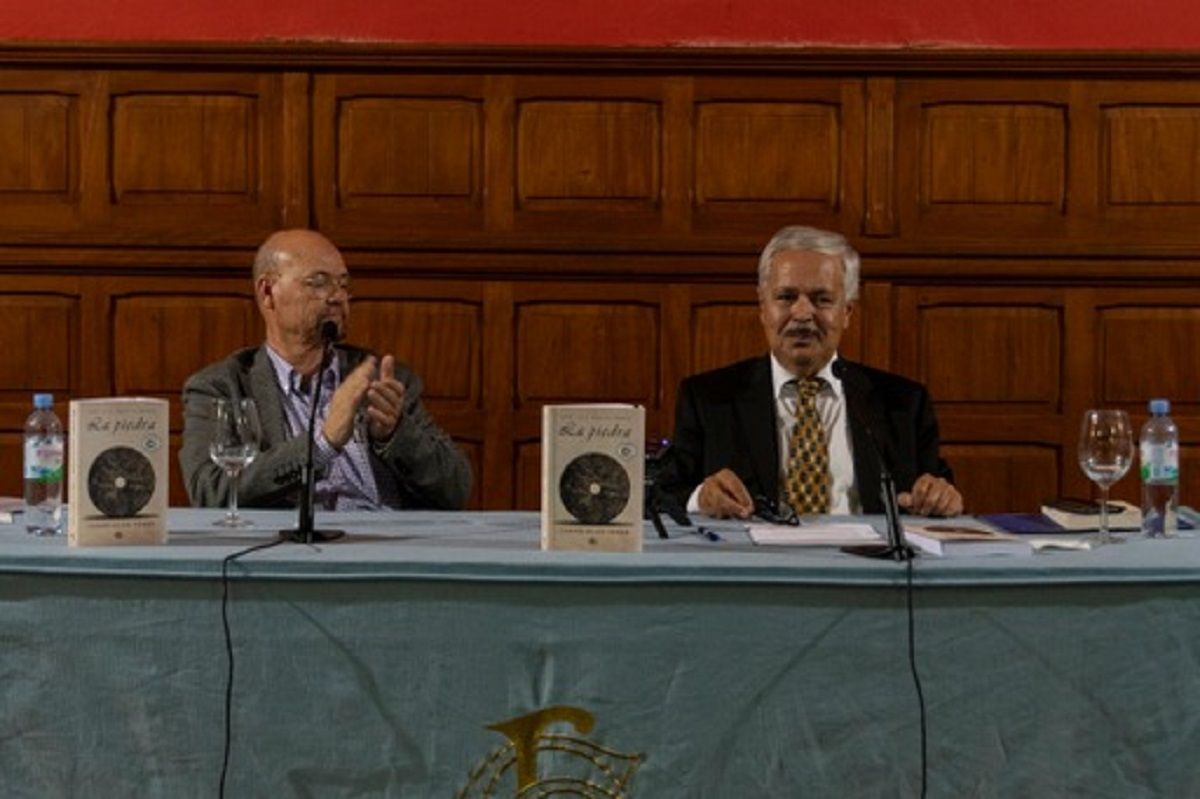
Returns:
(305, 532)
(897, 547)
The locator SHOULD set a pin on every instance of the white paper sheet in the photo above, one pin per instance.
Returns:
(814, 535)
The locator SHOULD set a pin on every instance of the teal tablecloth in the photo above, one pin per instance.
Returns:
(374, 666)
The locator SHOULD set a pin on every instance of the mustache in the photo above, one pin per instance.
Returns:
(799, 328)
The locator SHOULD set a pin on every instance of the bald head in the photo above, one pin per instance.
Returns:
(300, 282)
(287, 247)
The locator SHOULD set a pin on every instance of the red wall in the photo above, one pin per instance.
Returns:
(1070, 24)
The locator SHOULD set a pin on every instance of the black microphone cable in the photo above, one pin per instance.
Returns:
(916, 677)
(229, 651)
(896, 549)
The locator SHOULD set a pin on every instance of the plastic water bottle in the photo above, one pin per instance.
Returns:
(1159, 452)
(43, 468)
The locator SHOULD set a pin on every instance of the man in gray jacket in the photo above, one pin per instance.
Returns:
(375, 445)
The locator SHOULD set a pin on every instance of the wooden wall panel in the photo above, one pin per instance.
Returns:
(774, 152)
(42, 332)
(586, 352)
(529, 227)
(1151, 155)
(180, 148)
(589, 154)
(996, 478)
(393, 148)
(978, 156)
(994, 356)
(602, 153)
(39, 142)
(439, 339)
(398, 147)
(175, 335)
(724, 332)
(41, 166)
(1146, 170)
(528, 469)
(993, 154)
(1149, 351)
(198, 157)
(788, 154)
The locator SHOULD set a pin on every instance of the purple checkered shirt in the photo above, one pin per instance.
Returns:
(350, 481)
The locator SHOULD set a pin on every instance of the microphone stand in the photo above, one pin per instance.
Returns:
(897, 547)
(305, 532)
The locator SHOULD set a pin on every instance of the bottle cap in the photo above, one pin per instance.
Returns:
(43, 401)
(1160, 407)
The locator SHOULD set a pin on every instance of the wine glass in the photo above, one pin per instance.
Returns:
(236, 436)
(1105, 452)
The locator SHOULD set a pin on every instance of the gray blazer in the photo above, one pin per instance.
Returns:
(430, 470)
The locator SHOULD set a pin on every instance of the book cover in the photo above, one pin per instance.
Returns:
(117, 474)
(942, 540)
(1075, 515)
(593, 471)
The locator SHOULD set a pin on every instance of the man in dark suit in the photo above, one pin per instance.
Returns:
(796, 425)
(375, 445)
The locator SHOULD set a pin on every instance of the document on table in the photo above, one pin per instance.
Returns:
(9, 506)
(834, 534)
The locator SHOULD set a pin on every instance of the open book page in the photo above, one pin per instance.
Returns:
(833, 534)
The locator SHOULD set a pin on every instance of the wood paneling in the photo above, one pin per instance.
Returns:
(601, 153)
(993, 154)
(42, 334)
(771, 152)
(184, 148)
(197, 156)
(440, 339)
(1144, 170)
(579, 226)
(393, 148)
(586, 352)
(976, 155)
(39, 142)
(1151, 155)
(1149, 351)
(997, 478)
(390, 147)
(782, 153)
(42, 171)
(724, 332)
(992, 355)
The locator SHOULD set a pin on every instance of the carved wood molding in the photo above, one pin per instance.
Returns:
(693, 59)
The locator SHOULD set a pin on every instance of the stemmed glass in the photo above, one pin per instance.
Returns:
(1105, 452)
(235, 441)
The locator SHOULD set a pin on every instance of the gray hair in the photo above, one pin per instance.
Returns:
(811, 239)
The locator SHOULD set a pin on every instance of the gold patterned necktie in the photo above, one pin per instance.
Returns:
(807, 485)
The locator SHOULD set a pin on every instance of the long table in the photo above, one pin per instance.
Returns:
(437, 655)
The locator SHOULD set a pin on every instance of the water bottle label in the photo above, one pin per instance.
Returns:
(1160, 463)
(44, 459)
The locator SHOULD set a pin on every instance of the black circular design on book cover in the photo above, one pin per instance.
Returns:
(594, 488)
(120, 482)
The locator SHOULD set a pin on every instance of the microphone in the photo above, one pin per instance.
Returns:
(897, 547)
(305, 532)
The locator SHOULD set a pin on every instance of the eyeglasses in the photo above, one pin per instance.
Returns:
(324, 284)
(773, 513)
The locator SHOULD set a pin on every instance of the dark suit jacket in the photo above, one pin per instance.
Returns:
(429, 469)
(726, 419)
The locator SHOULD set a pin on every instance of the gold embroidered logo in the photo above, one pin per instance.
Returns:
(535, 763)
